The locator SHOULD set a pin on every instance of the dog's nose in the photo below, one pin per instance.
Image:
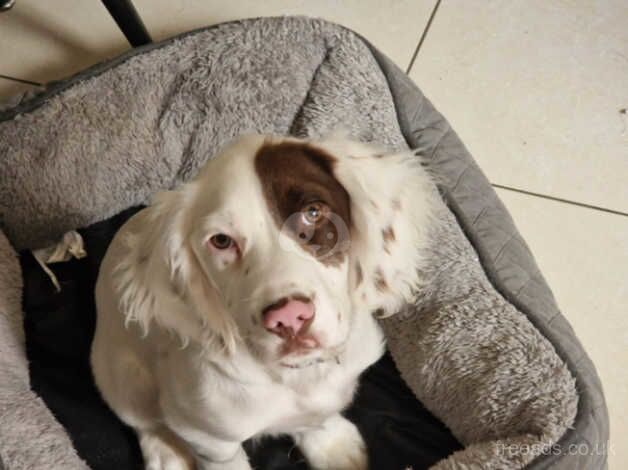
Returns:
(288, 316)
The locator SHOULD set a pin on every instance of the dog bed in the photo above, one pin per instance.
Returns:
(481, 372)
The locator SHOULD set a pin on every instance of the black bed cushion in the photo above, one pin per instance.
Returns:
(400, 433)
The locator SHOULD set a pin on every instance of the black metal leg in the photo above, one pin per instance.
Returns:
(6, 5)
(128, 20)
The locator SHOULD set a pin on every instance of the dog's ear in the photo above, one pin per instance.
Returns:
(392, 199)
(161, 276)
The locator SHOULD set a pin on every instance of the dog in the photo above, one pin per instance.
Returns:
(244, 302)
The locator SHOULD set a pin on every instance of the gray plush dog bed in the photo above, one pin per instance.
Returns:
(484, 348)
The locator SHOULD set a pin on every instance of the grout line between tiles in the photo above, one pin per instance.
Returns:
(558, 199)
(20, 80)
(423, 36)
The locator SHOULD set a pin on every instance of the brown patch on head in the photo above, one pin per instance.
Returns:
(396, 204)
(358, 274)
(380, 282)
(296, 176)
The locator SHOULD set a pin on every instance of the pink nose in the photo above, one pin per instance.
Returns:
(287, 317)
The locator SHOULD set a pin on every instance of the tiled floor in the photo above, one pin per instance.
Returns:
(535, 89)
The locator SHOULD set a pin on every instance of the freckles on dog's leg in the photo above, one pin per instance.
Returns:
(388, 234)
(358, 273)
(380, 282)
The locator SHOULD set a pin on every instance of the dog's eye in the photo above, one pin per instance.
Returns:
(313, 212)
(221, 241)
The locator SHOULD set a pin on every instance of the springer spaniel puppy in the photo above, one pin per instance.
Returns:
(242, 303)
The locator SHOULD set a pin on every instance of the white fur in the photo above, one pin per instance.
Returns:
(178, 353)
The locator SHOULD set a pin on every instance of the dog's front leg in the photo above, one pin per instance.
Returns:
(210, 452)
(336, 444)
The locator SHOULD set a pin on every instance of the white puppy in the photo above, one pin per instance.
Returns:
(241, 304)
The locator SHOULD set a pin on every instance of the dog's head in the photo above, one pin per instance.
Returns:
(278, 243)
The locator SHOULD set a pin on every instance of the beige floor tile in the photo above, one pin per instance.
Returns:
(535, 89)
(584, 256)
(43, 41)
(9, 88)
(393, 26)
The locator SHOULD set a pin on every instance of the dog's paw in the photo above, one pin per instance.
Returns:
(160, 455)
(336, 445)
(239, 462)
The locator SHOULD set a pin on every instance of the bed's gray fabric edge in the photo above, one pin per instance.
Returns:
(31, 100)
(525, 286)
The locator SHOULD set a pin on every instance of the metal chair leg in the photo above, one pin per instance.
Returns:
(128, 20)
(6, 5)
